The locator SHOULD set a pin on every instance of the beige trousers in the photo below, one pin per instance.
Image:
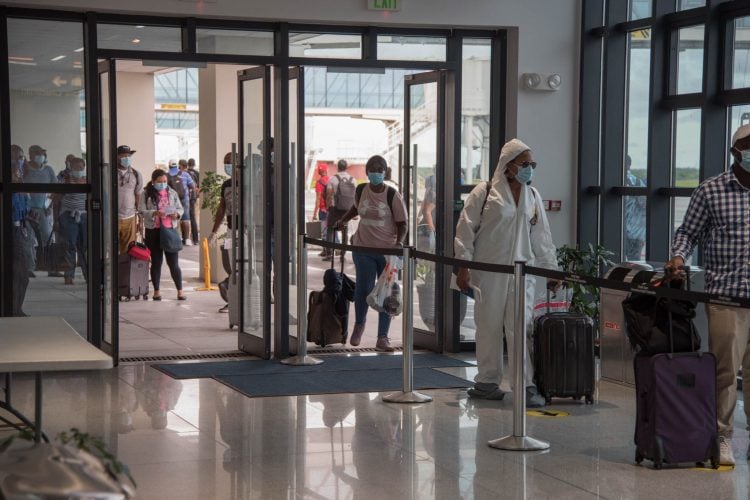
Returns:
(126, 230)
(729, 334)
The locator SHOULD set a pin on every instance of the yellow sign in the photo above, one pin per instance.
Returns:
(547, 413)
(174, 107)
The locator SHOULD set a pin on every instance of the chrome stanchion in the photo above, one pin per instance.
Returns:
(408, 395)
(301, 359)
(519, 441)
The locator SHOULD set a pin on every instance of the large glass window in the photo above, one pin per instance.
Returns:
(251, 43)
(690, 59)
(411, 48)
(741, 55)
(679, 207)
(637, 97)
(139, 37)
(47, 102)
(325, 45)
(690, 4)
(475, 110)
(687, 148)
(639, 9)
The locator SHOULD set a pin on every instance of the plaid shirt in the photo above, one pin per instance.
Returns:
(718, 218)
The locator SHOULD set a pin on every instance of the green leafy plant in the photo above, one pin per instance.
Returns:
(589, 262)
(83, 441)
(211, 191)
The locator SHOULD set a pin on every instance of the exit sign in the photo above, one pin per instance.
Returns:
(392, 5)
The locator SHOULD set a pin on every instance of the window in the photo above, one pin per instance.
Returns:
(687, 148)
(251, 43)
(475, 106)
(637, 97)
(690, 59)
(741, 53)
(690, 4)
(639, 9)
(411, 48)
(325, 45)
(139, 37)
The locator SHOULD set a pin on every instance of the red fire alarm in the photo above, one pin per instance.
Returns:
(553, 205)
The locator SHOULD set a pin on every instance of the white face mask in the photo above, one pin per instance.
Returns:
(745, 161)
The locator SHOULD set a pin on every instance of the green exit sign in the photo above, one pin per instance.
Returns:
(391, 5)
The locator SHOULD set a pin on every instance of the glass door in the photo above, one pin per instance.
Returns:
(108, 244)
(250, 283)
(296, 192)
(423, 173)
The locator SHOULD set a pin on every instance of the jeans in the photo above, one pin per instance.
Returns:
(322, 216)
(74, 234)
(368, 267)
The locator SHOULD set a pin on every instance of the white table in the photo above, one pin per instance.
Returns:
(43, 344)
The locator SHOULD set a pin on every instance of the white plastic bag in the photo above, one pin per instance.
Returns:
(386, 296)
(558, 302)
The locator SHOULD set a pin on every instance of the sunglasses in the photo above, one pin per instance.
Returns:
(525, 164)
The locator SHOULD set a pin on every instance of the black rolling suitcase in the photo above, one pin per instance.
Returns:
(676, 406)
(564, 364)
(132, 278)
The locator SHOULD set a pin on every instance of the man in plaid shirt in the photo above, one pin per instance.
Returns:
(718, 218)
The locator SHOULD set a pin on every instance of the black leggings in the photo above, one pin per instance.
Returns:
(157, 258)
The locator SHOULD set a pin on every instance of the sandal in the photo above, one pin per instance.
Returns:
(181, 297)
(156, 297)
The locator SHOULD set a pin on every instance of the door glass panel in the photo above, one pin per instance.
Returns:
(411, 48)
(423, 127)
(475, 110)
(467, 326)
(107, 226)
(252, 189)
(293, 145)
(139, 37)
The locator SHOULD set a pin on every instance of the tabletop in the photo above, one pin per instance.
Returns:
(46, 343)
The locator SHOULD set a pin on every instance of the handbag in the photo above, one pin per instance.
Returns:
(169, 240)
(139, 250)
(55, 256)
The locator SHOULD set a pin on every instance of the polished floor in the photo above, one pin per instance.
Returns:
(197, 439)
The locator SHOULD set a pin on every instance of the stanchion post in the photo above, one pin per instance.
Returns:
(301, 359)
(519, 441)
(206, 269)
(408, 395)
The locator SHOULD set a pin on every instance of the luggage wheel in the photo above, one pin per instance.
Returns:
(589, 399)
(638, 458)
(145, 296)
(547, 401)
(137, 297)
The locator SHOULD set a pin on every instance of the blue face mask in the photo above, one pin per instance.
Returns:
(228, 169)
(78, 174)
(173, 170)
(745, 162)
(160, 186)
(525, 174)
(125, 161)
(40, 159)
(376, 178)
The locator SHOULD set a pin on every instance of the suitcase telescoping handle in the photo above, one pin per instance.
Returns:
(344, 236)
(686, 269)
(549, 293)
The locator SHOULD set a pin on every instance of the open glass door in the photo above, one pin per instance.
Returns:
(423, 173)
(296, 191)
(250, 283)
(108, 249)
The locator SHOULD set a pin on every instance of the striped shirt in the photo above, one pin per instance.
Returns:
(718, 219)
(73, 202)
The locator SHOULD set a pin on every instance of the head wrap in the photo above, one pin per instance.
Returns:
(741, 133)
(512, 149)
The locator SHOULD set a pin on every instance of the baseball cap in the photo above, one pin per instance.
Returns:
(741, 133)
(125, 150)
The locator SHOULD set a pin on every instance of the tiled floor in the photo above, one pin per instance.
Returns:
(197, 439)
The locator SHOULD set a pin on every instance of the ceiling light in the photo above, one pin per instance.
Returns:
(19, 58)
(22, 63)
(140, 26)
(79, 50)
(57, 58)
(136, 40)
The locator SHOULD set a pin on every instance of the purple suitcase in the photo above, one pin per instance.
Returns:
(676, 409)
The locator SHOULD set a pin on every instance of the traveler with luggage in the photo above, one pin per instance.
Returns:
(320, 212)
(340, 193)
(382, 224)
(129, 191)
(161, 208)
(223, 211)
(503, 221)
(717, 219)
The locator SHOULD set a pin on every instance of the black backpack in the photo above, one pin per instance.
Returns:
(175, 182)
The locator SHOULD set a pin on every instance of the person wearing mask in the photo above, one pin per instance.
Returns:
(503, 222)
(41, 212)
(224, 211)
(319, 212)
(24, 242)
(717, 220)
(130, 187)
(635, 217)
(339, 199)
(382, 224)
(73, 220)
(181, 182)
(161, 207)
(196, 176)
(18, 161)
(62, 176)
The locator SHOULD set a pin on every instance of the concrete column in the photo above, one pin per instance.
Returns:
(217, 129)
(136, 119)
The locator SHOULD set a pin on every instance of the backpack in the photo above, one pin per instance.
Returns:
(175, 182)
(391, 194)
(346, 189)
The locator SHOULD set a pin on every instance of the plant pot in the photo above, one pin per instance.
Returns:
(426, 298)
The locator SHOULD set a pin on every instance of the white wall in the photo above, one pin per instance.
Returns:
(548, 43)
(135, 118)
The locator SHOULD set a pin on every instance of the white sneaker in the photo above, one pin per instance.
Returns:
(726, 455)
(188, 243)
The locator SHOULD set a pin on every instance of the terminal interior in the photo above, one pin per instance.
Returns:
(627, 106)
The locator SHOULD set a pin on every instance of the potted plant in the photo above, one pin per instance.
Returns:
(586, 262)
(211, 191)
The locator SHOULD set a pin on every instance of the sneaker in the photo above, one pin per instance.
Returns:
(726, 455)
(357, 335)
(188, 243)
(384, 344)
(224, 309)
(533, 398)
(483, 390)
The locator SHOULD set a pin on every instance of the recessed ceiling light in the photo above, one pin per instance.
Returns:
(57, 58)
(79, 50)
(136, 40)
